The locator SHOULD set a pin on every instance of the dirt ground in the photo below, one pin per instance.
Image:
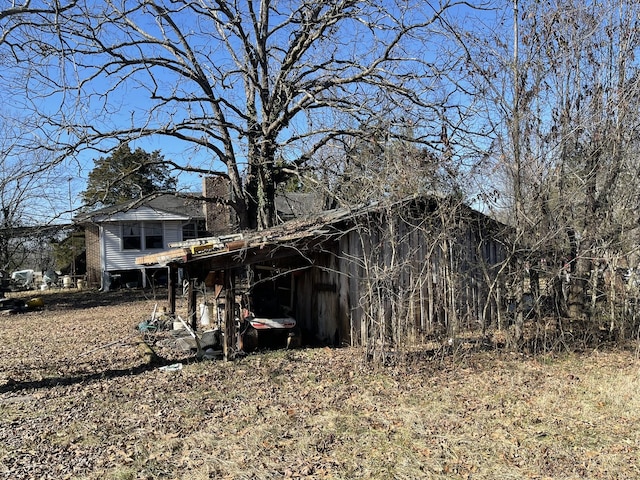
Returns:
(80, 399)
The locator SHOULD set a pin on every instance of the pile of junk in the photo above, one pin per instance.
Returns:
(262, 325)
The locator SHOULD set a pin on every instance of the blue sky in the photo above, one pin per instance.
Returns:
(130, 107)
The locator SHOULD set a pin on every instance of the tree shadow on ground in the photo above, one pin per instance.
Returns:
(82, 299)
(16, 387)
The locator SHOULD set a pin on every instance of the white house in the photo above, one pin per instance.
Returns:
(115, 236)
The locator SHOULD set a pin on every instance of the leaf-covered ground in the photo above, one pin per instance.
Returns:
(79, 399)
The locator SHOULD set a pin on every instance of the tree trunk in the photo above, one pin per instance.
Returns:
(578, 288)
(260, 188)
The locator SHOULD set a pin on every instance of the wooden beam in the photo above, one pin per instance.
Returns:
(249, 257)
(229, 327)
(191, 304)
(171, 286)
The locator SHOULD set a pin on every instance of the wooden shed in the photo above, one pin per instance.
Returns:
(391, 273)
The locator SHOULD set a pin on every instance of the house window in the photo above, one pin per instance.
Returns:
(153, 237)
(196, 229)
(131, 236)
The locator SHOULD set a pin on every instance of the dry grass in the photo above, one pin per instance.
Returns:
(72, 407)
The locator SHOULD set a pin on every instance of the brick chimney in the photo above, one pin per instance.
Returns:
(219, 217)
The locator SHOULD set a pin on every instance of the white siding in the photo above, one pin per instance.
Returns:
(118, 259)
(172, 233)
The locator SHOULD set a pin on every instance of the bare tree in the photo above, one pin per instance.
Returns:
(596, 124)
(26, 206)
(561, 106)
(256, 88)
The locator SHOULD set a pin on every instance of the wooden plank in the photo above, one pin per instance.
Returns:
(171, 286)
(164, 257)
(229, 315)
(220, 240)
(191, 304)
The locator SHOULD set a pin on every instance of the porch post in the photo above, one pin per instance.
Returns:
(143, 273)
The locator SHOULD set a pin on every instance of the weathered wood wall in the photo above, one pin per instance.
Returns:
(397, 277)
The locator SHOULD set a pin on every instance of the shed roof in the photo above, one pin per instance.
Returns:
(262, 244)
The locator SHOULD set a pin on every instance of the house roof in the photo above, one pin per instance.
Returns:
(291, 205)
(166, 206)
